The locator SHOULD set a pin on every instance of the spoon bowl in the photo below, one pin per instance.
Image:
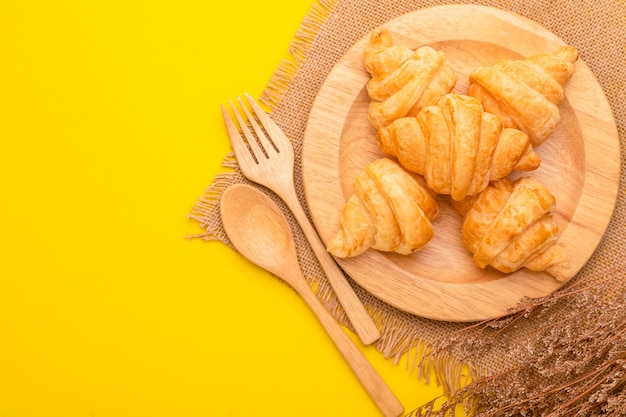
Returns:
(259, 231)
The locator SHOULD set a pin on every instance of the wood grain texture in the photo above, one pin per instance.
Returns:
(580, 165)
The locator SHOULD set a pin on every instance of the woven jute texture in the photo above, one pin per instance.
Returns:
(596, 29)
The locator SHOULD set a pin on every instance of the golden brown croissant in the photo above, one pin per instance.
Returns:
(457, 147)
(403, 81)
(388, 211)
(525, 94)
(510, 226)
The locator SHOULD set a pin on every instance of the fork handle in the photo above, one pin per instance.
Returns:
(361, 320)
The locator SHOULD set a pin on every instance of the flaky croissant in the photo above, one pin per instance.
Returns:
(526, 93)
(457, 147)
(510, 226)
(403, 81)
(389, 211)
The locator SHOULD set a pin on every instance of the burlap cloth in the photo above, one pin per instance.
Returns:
(460, 352)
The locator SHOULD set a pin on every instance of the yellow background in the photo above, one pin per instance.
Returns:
(109, 131)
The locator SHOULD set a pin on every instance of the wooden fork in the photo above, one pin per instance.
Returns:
(270, 162)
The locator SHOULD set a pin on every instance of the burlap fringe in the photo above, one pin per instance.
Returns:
(206, 209)
(298, 49)
(400, 343)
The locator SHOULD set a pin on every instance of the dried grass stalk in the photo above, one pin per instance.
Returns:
(575, 366)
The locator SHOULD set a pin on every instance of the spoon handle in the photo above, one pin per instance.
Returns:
(361, 320)
(373, 383)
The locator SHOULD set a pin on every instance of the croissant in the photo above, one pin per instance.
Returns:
(510, 226)
(389, 211)
(403, 81)
(526, 93)
(457, 147)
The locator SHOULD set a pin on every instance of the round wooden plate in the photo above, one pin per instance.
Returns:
(580, 165)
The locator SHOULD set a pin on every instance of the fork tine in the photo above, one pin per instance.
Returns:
(240, 148)
(280, 140)
(266, 143)
(254, 148)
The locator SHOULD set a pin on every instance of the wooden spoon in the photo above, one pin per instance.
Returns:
(260, 232)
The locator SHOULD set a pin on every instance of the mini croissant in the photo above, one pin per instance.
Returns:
(510, 226)
(403, 81)
(526, 93)
(457, 147)
(388, 211)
